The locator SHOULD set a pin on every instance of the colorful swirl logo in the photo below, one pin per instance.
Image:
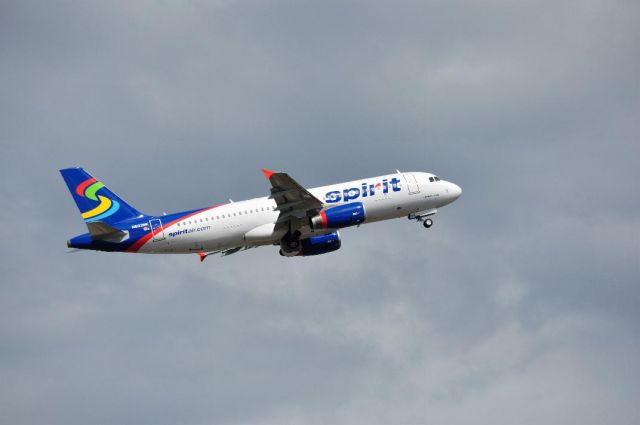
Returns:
(106, 207)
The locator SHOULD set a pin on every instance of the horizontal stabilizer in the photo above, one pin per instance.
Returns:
(102, 231)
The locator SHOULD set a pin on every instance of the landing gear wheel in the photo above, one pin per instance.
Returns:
(293, 244)
(427, 223)
(281, 253)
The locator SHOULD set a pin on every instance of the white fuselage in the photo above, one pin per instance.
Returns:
(252, 222)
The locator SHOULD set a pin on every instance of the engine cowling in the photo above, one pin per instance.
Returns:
(339, 216)
(322, 244)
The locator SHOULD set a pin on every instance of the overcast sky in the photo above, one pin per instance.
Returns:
(520, 305)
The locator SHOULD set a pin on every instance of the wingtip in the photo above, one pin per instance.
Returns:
(267, 173)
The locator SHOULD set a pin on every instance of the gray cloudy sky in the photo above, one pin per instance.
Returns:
(519, 306)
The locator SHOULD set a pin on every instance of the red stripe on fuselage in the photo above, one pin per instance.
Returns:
(82, 186)
(138, 244)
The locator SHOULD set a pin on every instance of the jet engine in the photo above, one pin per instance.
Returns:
(315, 245)
(339, 216)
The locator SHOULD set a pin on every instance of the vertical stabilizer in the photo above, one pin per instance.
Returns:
(95, 201)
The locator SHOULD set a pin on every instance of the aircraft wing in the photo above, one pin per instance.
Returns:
(294, 202)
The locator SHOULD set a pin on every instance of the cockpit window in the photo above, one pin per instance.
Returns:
(437, 179)
(431, 179)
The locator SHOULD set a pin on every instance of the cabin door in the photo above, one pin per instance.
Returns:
(412, 183)
(156, 229)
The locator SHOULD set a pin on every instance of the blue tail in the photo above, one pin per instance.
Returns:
(95, 201)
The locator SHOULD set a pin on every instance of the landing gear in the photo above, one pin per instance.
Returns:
(293, 244)
(290, 244)
(423, 216)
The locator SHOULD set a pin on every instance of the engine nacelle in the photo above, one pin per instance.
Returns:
(339, 216)
(316, 245)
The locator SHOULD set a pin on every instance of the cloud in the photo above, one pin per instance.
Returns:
(518, 305)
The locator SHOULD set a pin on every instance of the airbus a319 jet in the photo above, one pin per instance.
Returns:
(302, 222)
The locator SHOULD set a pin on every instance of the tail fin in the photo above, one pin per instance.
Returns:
(95, 201)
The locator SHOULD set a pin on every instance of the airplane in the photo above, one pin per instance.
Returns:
(302, 222)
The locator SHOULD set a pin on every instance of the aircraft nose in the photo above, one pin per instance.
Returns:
(455, 191)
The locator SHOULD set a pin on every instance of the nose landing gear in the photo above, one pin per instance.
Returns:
(423, 216)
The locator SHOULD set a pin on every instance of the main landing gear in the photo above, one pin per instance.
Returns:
(290, 244)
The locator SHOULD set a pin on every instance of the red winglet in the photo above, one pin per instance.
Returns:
(267, 173)
(202, 256)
